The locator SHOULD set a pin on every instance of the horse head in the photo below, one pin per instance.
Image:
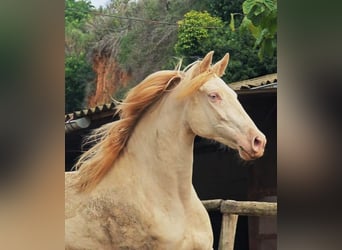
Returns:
(214, 112)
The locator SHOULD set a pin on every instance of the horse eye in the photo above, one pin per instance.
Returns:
(214, 96)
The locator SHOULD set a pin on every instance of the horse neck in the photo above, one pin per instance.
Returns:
(161, 148)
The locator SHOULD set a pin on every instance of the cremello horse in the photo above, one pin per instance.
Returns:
(133, 189)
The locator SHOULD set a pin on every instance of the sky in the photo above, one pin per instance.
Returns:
(97, 3)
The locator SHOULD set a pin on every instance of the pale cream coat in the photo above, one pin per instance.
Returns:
(146, 200)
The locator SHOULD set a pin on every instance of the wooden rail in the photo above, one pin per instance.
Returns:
(230, 210)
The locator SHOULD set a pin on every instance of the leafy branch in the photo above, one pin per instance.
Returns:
(260, 18)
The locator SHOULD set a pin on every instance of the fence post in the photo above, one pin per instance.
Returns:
(228, 228)
(230, 210)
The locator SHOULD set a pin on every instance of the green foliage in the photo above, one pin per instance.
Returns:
(78, 70)
(78, 73)
(77, 12)
(198, 32)
(261, 20)
(126, 47)
(125, 31)
(195, 40)
(225, 8)
(244, 62)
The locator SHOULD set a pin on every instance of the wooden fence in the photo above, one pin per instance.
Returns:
(230, 210)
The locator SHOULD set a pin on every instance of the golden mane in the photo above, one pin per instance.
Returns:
(111, 139)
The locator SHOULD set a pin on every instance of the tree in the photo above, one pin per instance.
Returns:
(244, 62)
(198, 33)
(78, 73)
(77, 12)
(141, 37)
(78, 70)
(261, 20)
(225, 9)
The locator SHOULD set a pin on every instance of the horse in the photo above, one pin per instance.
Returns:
(133, 188)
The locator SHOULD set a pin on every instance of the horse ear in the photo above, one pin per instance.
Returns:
(174, 81)
(203, 66)
(221, 65)
(206, 62)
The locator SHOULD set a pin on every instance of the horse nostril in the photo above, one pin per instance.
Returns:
(258, 144)
(257, 141)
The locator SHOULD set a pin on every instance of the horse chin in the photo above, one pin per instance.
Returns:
(245, 155)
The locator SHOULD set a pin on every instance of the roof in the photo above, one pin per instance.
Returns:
(90, 111)
(261, 82)
(266, 81)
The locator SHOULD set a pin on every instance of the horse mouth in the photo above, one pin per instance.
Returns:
(245, 155)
